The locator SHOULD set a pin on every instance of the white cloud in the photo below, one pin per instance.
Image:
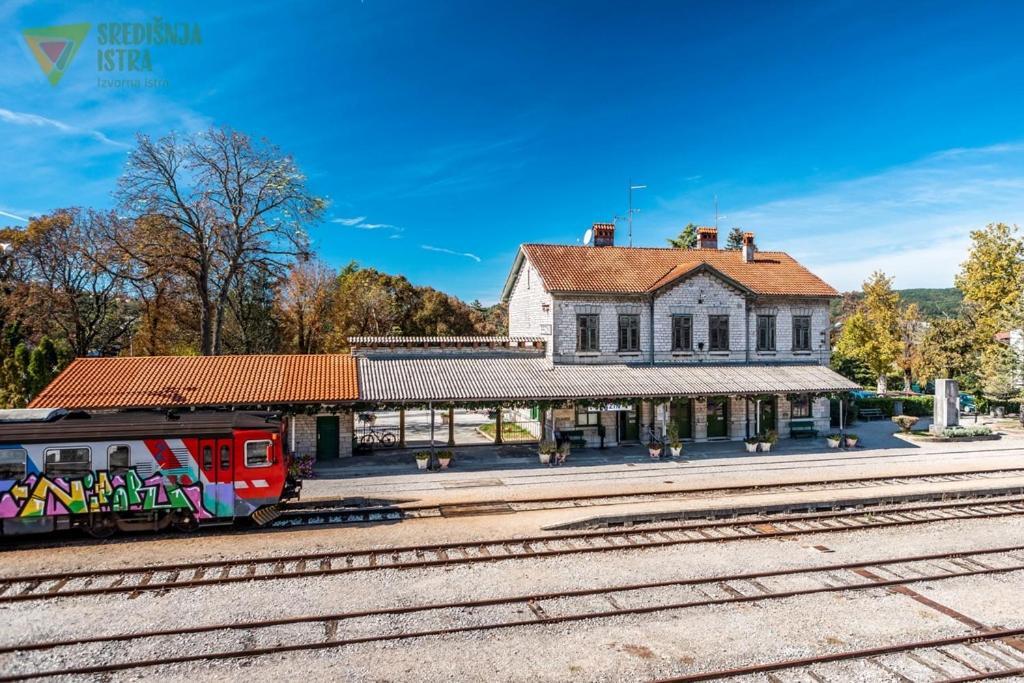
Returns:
(358, 222)
(28, 119)
(910, 221)
(349, 221)
(442, 250)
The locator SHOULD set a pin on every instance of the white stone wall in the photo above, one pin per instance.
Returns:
(700, 296)
(302, 434)
(784, 310)
(526, 314)
(567, 308)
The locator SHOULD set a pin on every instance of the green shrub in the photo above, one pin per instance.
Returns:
(921, 406)
(966, 432)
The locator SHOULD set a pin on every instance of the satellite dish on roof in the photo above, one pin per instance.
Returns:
(588, 237)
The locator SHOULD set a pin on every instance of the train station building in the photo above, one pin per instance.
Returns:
(607, 345)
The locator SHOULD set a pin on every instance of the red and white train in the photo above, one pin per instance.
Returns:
(131, 471)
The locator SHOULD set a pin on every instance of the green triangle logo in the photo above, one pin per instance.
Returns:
(55, 46)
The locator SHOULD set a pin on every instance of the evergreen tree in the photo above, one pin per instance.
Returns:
(735, 240)
(687, 238)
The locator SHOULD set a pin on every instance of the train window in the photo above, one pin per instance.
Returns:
(13, 463)
(119, 458)
(257, 453)
(225, 457)
(207, 458)
(68, 461)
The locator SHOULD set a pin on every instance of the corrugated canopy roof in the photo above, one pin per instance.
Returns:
(635, 270)
(186, 381)
(492, 379)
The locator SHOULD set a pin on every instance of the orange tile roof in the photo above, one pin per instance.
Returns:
(169, 381)
(635, 270)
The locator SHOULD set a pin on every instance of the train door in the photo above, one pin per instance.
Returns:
(217, 466)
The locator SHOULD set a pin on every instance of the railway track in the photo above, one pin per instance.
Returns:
(323, 512)
(317, 632)
(140, 579)
(976, 657)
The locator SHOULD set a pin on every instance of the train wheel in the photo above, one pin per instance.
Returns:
(185, 522)
(101, 526)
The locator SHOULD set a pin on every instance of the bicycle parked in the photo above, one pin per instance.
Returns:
(371, 435)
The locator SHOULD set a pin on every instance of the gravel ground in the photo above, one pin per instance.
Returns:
(620, 648)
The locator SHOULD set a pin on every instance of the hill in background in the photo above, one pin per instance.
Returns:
(933, 302)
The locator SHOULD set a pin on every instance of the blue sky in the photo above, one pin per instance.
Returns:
(854, 135)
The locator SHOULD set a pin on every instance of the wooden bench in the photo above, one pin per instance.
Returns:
(871, 414)
(574, 437)
(802, 429)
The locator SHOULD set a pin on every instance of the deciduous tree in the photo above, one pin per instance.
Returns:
(872, 334)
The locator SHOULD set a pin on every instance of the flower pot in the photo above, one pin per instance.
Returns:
(421, 463)
(676, 451)
(444, 463)
(766, 446)
(545, 458)
(751, 447)
(833, 443)
(654, 452)
(851, 443)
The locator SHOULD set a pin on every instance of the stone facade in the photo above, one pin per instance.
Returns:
(302, 433)
(534, 312)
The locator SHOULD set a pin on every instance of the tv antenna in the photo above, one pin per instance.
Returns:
(716, 213)
(631, 209)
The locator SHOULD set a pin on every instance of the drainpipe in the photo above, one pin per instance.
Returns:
(746, 326)
(651, 344)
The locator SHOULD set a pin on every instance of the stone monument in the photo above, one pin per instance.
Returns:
(946, 412)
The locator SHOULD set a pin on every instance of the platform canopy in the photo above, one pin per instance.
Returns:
(495, 379)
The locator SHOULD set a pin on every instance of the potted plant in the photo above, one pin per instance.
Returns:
(422, 459)
(445, 458)
(834, 440)
(752, 444)
(769, 440)
(654, 448)
(675, 446)
(562, 452)
(905, 422)
(545, 449)
(851, 440)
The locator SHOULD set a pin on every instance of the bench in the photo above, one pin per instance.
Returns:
(802, 429)
(871, 414)
(574, 437)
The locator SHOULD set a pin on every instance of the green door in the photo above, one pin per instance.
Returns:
(326, 437)
(718, 417)
(629, 424)
(682, 416)
(767, 422)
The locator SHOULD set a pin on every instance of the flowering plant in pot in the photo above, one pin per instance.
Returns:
(545, 449)
(654, 449)
(851, 440)
(422, 459)
(445, 458)
(562, 452)
(834, 440)
(752, 444)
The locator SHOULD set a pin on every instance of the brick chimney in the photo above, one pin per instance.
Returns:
(707, 238)
(604, 234)
(748, 247)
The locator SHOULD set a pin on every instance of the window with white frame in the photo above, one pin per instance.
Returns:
(258, 453)
(587, 417)
(67, 461)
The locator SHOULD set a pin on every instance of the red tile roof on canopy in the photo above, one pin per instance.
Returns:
(636, 270)
(187, 381)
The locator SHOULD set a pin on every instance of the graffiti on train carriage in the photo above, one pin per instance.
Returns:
(38, 495)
